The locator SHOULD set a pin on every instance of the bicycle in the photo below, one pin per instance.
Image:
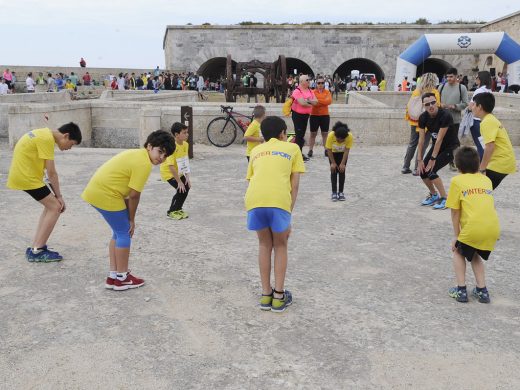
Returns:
(222, 131)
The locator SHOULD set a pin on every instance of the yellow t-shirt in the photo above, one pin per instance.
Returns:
(338, 147)
(69, 86)
(253, 130)
(181, 151)
(28, 164)
(269, 174)
(113, 180)
(472, 193)
(503, 158)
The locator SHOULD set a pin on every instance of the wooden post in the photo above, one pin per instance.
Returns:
(187, 119)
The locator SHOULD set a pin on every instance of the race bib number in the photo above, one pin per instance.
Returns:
(338, 148)
(183, 165)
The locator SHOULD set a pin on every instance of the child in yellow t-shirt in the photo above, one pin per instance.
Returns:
(274, 176)
(499, 158)
(252, 134)
(33, 156)
(115, 190)
(176, 171)
(338, 145)
(475, 223)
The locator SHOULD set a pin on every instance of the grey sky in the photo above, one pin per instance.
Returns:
(118, 33)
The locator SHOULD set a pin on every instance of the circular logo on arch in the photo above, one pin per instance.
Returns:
(464, 41)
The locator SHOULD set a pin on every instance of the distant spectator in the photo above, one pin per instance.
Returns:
(156, 72)
(121, 82)
(69, 86)
(4, 88)
(59, 82)
(8, 78)
(40, 80)
(86, 79)
(29, 83)
(51, 84)
(73, 79)
(82, 62)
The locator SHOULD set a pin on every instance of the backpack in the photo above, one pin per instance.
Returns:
(415, 107)
(286, 109)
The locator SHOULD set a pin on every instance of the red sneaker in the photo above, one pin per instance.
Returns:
(130, 282)
(109, 284)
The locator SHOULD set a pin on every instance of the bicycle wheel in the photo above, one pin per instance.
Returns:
(221, 132)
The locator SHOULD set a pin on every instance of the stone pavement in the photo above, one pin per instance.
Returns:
(369, 278)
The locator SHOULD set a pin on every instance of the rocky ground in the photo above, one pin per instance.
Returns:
(369, 278)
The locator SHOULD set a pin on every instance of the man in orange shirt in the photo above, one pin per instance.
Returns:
(404, 85)
(320, 118)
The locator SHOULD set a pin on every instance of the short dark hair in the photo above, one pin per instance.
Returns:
(486, 100)
(72, 130)
(467, 159)
(258, 111)
(177, 127)
(340, 130)
(427, 95)
(161, 139)
(452, 71)
(272, 127)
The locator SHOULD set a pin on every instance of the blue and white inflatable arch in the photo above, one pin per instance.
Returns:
(498, 43)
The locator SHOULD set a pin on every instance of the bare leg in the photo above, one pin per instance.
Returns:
(48, 219)
(459, 265)
(429, 184)
(324, 135)
(112, 254)
(122, 255)
(312, 140)
(265, 247)
(280, 258)
(478, 269)
(440, 187)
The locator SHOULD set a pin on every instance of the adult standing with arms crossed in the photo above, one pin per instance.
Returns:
(454, 98)
(320, 118)
(303, 101)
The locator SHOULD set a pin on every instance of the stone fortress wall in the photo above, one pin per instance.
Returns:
(325, 49)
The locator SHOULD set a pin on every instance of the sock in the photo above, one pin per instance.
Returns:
(481, 289)
(112, 274)
(121, 276)
(462, 288)
(35, 251)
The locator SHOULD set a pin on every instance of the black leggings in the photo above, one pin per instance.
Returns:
(300, 127)
(334, 175)
(179, 197)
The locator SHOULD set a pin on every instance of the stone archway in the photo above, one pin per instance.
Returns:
(298, 65)
(433, 65)
(215, 68)
(364, 65)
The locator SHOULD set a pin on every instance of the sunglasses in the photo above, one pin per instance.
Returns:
(320, 82)
(430, 104)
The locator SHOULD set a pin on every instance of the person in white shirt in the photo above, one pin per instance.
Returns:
(483, 80)
(3, 87)
(51, 83)
(121, 82)
(29, 83)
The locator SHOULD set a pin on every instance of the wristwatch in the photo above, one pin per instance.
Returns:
(433, 158)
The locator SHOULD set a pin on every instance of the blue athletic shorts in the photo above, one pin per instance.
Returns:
(120, 224)
(276, 219)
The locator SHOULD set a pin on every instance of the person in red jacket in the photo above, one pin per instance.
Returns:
(320, 118)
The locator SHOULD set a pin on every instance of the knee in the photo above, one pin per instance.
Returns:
(54, 206)
(122, 239)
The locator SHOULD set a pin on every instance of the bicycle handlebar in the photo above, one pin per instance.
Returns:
(226, 108)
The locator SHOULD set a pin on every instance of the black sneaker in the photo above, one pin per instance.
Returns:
(310, 153)
(406, 170)
(305, 158)
(482, 295)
